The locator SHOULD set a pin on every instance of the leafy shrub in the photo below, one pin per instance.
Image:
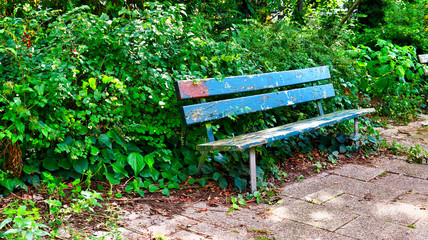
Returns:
(393, 78)
(93, 95)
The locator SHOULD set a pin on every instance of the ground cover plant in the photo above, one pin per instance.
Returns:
(87, 93)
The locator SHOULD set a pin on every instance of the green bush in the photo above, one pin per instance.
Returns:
(92, 95)
(392, 78)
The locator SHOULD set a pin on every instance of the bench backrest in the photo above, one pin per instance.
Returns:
(207, 111)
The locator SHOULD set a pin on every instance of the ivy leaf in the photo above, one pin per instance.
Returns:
(153, 188)
(192, 170)
(165, 192)
(136, 161)
(223, 183)
(217, 176)
(240, 183)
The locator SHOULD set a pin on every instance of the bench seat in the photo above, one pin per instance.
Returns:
(254, 139)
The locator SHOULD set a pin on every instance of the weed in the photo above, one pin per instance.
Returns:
(236, 202)
(22, 223)
(417, 154)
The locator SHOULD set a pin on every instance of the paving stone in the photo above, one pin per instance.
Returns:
(236, 218)
(312, 214)
(362, 189)
(359, 172)
(396, 212)
(306, 187)
(169, 226)
(416, 199)
(186, 235)
(404, 183)
(292, 230)
(218, 233)
(322, 195)
(372, 228)
(345, 185)
(398, 164)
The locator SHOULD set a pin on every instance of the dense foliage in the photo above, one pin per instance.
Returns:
(88, 91)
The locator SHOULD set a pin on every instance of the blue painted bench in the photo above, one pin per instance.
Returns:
(209, 111)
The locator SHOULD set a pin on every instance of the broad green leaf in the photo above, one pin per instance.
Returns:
(383, 59)
(172, 185)
(154, 174)
(400, 71)
(5, 222)
(217, 176)
(149, 160)
(80, 165)
(223, 183)
(202, 181)
(136, 161)
(94, 151)
(193, 170)
(40, 89)
(104, 139)
(384, 69)
(117, 137)
(119, 168)
(112, 179)
(165, 192)
(50, 164)
(20, 126)
(153, 188)
(92, 83)
(240, 183)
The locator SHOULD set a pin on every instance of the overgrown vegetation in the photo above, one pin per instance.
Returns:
(87, 92)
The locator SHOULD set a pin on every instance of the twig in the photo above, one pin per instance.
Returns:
(23, 199)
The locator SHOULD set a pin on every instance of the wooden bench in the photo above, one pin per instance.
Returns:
(209, 111)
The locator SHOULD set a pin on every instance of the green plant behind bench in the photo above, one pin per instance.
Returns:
(87, 94)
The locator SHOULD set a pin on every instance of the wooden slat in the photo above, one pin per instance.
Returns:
(423, 58)
(273, 134)
(219, 109)
(212, 87)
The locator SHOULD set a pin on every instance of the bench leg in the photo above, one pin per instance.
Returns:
(356, 126)
(253, 174)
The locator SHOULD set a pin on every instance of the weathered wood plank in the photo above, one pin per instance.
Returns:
(282, 132)
(423, 58)
(212, 87)
(219, 109)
